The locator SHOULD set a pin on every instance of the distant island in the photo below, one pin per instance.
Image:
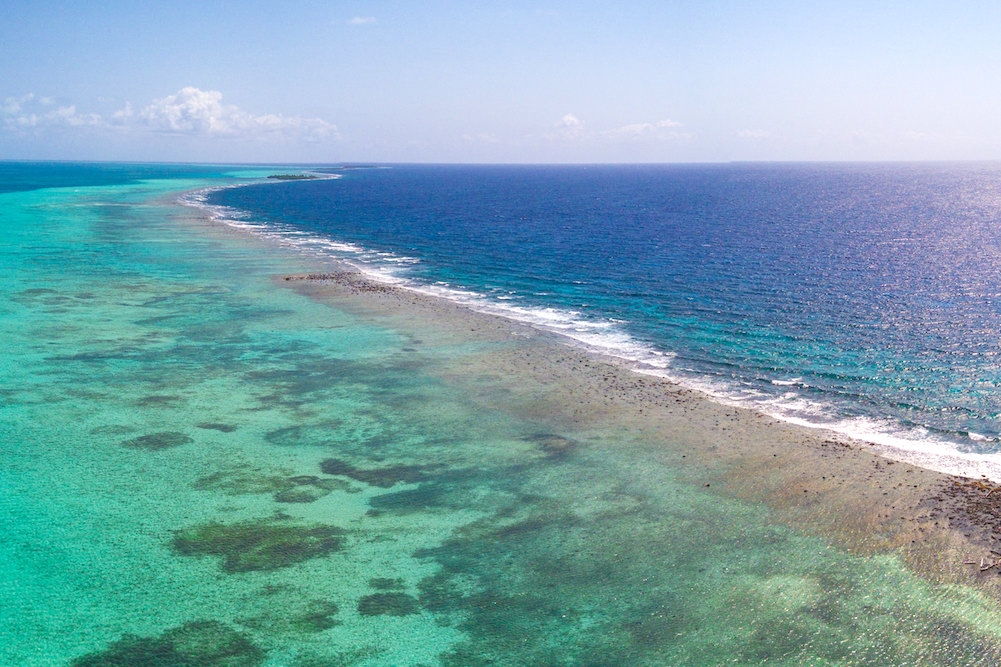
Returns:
(293, 177)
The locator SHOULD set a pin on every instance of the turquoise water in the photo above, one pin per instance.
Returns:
(201, 466)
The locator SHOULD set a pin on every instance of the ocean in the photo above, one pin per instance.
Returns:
(864, 298)
(209, 458)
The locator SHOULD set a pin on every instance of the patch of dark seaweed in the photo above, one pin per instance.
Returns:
(388, 604)
(297, 615)
(195, 644)
(245, 480)
(158, 399)
(552, 445)
(258, 545)
(310, 488)
(411, 500)
(301, 480)
(438, 593)
(382, 477)
(157, 441)
(385, 583)
(302, 494)
(319, 616)
(215, 426)
(294, 436)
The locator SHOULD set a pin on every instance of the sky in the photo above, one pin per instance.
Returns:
(309, 81)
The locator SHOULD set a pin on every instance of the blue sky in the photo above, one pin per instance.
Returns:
(434, 81)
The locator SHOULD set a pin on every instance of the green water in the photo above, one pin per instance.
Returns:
(201, 467)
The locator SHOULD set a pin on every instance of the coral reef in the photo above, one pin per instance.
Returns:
(258, 545)
(157, 441)
(195, 644)
(248, 480)
(381, 477)
(388, 604)
(216, 426)
(553, 446)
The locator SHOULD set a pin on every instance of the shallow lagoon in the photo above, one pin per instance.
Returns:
(206, 462)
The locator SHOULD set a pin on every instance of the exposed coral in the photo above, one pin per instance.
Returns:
(388, 604)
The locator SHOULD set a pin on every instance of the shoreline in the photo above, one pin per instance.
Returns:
(942, 525)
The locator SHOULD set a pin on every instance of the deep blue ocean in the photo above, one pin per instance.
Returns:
(864, 297)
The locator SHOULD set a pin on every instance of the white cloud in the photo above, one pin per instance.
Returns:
(190, 111)
(570, 127)
(662, 129)
(193, 111)
(30, 111)
(13, 105)
(69, 116)
(361, 20)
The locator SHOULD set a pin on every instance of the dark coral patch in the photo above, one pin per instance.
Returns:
(317, 617)
(195, 644)
(552, 445)
(420, 499)
(388, 604)
(242, 481)
(157, 399)
(381, 477)
(296, 615)
(216, 426)
(302, 494)
(156, 441)
(309, 488)
(258, 545)
(385, 583)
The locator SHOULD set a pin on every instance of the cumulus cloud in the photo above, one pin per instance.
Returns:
(202, 112)
(754, 135)
(662, 129)
(570, 127)
(29, 111)
(361, 20)
(190, 111)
